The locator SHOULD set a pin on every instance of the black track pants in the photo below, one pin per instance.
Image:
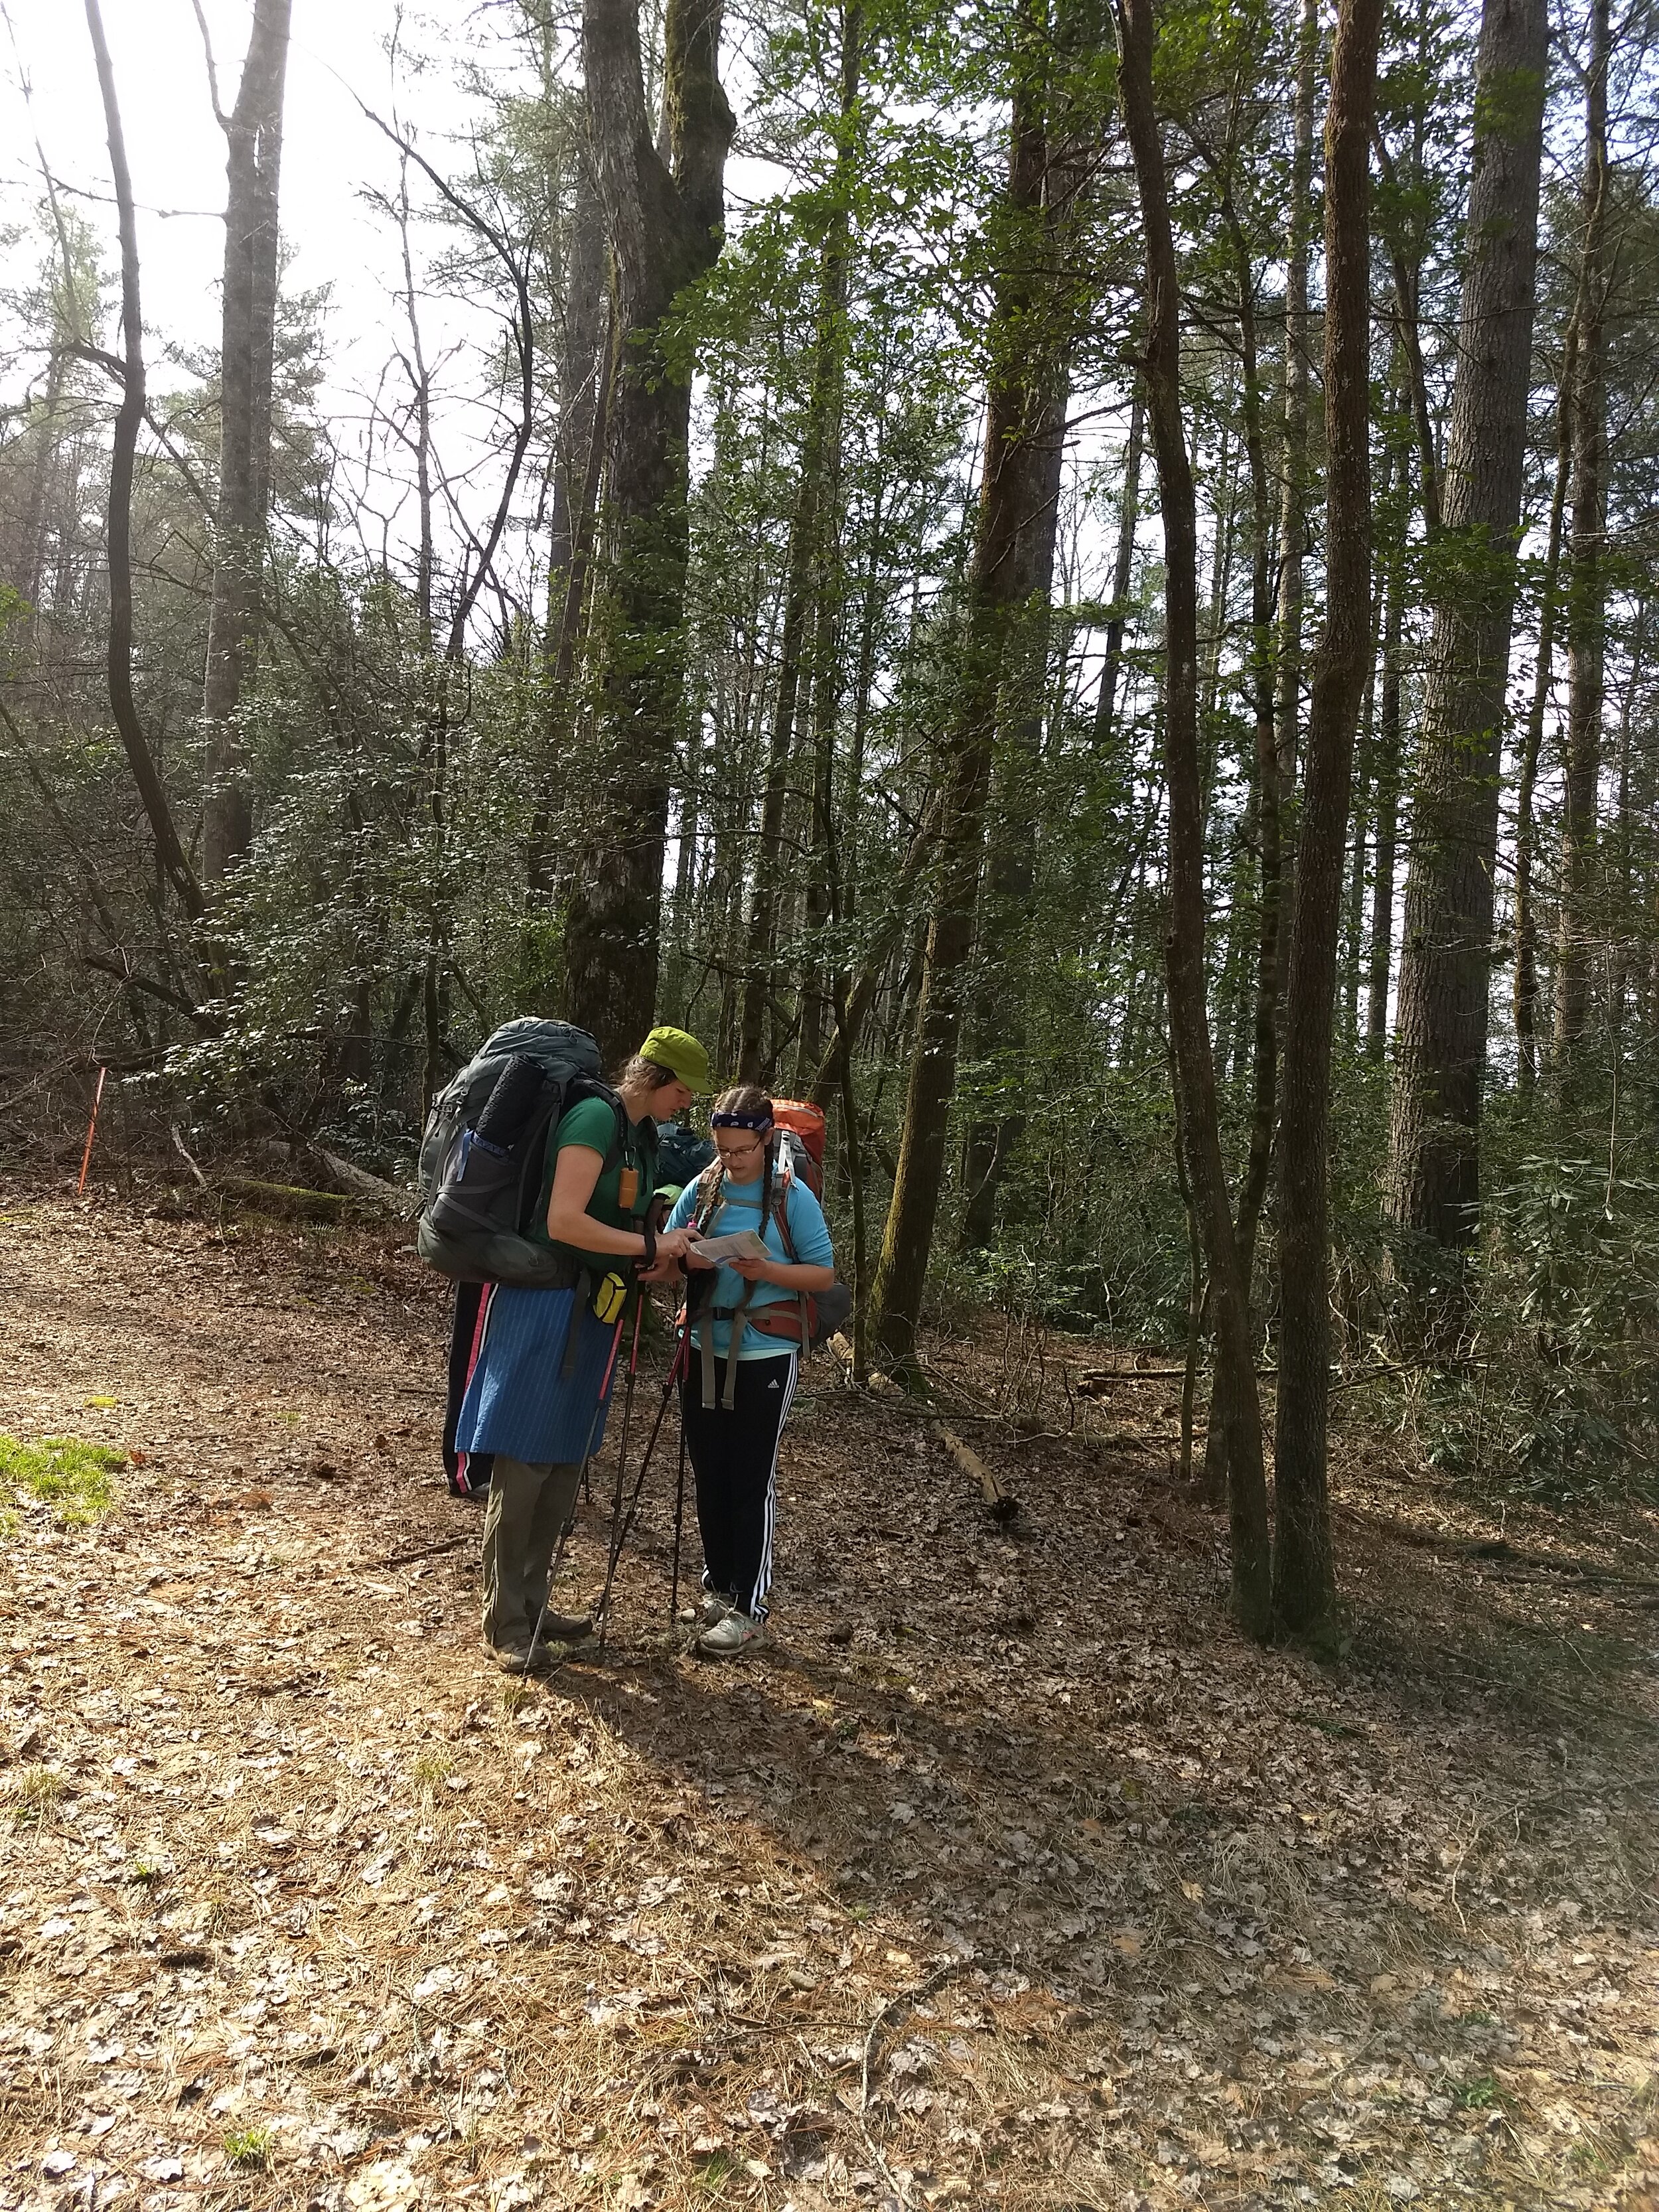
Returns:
(735, 1458)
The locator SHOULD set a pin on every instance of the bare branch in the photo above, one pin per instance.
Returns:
(212, 73)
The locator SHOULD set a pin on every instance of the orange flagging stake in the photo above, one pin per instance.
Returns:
(92, 1131)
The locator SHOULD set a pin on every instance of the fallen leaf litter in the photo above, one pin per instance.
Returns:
(1003, 1874)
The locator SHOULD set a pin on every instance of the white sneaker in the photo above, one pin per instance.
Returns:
(714, 1608)
(728, 1637)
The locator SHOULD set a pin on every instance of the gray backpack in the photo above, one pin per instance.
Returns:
(484, 1152)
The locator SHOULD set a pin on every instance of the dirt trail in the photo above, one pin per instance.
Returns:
(1003, 1875)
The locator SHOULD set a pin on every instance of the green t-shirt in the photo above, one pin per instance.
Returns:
(593, 1123)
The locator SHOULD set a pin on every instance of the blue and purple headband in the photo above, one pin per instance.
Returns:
(760, 1123)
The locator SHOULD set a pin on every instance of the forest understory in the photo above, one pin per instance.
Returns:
(1005, 1872)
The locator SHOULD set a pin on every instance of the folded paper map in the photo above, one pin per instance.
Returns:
(741, 1244)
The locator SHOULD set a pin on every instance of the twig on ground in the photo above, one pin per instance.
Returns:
(425, 1551)
(183, 1151)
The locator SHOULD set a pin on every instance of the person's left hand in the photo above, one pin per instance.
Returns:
(752, 1271)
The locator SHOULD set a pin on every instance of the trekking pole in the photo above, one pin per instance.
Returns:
(679, 1522)
(588, 1453)
(676, 1368)
(622, 1447)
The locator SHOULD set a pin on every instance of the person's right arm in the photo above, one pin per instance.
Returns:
(576, 1172)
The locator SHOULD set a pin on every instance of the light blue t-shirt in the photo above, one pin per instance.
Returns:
(740, 1208)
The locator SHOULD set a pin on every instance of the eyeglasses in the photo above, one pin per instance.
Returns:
(737, 1152)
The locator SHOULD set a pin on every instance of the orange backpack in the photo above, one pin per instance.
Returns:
(804, 1133)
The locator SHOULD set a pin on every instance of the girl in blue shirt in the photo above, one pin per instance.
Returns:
(743, 1356)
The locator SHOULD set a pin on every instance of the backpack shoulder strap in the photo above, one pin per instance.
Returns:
(782, 1185)
(592, 1086)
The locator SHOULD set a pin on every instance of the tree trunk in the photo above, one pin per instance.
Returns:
(1010, 861)
(1017, 419)
(1365, 782)
(582, 367)
(1386, 784)
(666, 224)
(1293, 513)
(1626, 921)
(169, 852)
(1526, 827)
(1003, 987)
(1264, 817)
(825, 892)
(856, 995)
(1265, 796)
(253, 133)
(1234, 1380)
(1446, 958)
(1302, 1550)
(1586, 596)
(1128, 519)
(762, 934)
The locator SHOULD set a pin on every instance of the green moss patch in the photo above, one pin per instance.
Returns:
(71, 1477)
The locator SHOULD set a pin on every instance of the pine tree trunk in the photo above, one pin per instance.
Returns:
(1293, 513)
(1189, 1028)
(1386, 784)
(1265, 799)
(761, 936)
(664, 225)
(1446, 957)
(825, 894)
(810, 594)
(1364, 785)
(1264, 815)
(1128, 518)
(1303, 1581)
(1000, 992)
(253, 131)
(581, 365)
(1586, 594)
(1015, 463)
(1526, 826)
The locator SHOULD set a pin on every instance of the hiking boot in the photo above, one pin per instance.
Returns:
(514, 1657)
(728, 1636)
(566, 1627)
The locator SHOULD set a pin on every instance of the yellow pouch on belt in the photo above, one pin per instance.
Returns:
(609, 1296)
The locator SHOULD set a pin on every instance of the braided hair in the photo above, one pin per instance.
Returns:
(749, 1099)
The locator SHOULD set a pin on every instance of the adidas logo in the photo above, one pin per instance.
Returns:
(773, 1384)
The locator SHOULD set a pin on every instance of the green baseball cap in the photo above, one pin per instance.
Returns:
(678, 1051)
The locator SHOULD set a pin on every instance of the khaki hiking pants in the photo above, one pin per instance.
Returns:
(531, 1506)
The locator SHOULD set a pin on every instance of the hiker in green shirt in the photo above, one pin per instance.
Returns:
(542, 1369)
